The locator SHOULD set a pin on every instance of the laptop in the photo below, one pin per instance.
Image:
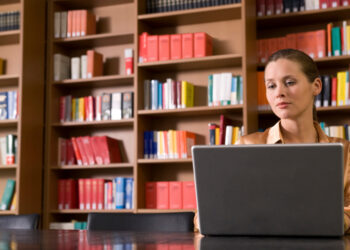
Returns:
(270, 190)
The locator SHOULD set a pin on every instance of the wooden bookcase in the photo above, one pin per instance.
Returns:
(115, 32)
(233, 30)
(279, 25)
(23, 51)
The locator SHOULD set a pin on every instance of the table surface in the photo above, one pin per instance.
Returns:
(101, 240)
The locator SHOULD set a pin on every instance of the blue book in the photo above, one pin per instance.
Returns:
(3, 105)
(146, 149)
(120, 193)
(129, 187)
(12, 105)
(154, 94)
(160, 95)
(234, 91)
(150, 144)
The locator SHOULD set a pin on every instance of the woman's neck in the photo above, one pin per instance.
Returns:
(294, 131)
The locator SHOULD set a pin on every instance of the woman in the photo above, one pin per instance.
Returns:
(292, 82)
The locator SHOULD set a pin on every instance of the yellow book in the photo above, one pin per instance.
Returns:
(235, 134)
(14, 202)
(81, 109)
(73, 108)
(160, 146)
(187, 94)
(217, 136)
(348, 38)
(341, 87)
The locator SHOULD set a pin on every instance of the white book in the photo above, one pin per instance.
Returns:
(83, 64)
(216, 89)
(98, 115)
(63, 25)
(75, 68)
(57, 24)
(12, 104)
(116, 107)
(3, 150)
(56, 66)
(309, 4)
(61, 225)
(171, 93)
(228, 135)
(316, 4)
(226, 79)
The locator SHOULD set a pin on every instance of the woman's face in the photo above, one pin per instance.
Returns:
(288, 90)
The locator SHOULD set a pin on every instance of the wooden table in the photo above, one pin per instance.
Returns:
(99, 240)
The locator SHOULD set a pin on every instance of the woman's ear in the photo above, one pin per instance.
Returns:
(317, 86)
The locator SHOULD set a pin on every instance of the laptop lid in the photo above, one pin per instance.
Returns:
(284, 189)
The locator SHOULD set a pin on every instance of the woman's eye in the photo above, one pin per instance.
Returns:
(290, 83)
(270, 86)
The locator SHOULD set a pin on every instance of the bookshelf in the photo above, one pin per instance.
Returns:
(23, 50)
(231, 28)
(115, 31)
(282, 24)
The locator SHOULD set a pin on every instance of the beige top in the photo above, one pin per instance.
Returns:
(273, 135)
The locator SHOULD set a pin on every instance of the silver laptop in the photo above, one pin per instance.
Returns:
(280, 190)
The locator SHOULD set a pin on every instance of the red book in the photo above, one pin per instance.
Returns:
(78, 22)
(278, 6)
(89, 108)
(320, 43)
(302, 41)
(87, 144)
(88, 23)
(175, 195)
(189, 140)
(69, 23)
(88, 194)
(62, 151)
(174, 246)
(189, 195)
(203, 45)
(100, 193)
(76, 151)
(345, 2)
(224, 121)
(324, 4)
(61, 193)
(272, 45)
(70, 158)
(94, 194)
(74, 23)
(152, 48)
(151, 194)
(62, 108)
(164, 47)
(71, 200)
(110, 149)
(310, 43)
(281, 43)
(162, 196)
(188, 247)
(94, 64)
(97, 150)
(334, 91)
(261, 7)
(187, 45)
(291, 41)
(334, 3)
(81, 186)
(143, 47)
(175, 46)
(81, 148)
(110, 195)
(270, 8)
(265, 52)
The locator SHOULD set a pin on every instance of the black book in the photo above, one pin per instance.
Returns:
(302, 5)
(295, 5)
(287, 6)
(147, 94)
(326, 87)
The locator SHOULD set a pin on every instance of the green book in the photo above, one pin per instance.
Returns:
(336, 41)
(8, 194)
(210, 90)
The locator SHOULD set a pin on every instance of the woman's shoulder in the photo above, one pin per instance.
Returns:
(254, 138)
(345, 143)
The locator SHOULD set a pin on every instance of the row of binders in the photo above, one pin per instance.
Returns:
(170, 195)
(95, 194)
(8, 198)
(225, 89)
(156, 6)
(276, 7)
(168, 95)
(341, 131)
(108, 106)
(154, 48)
(171, 144)
(89, 150)
(72, 225)
(8, 149)
(8, 105)
(9, 20)
(74, 23)
(226, 133)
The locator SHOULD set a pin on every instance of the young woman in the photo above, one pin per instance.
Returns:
(292, 82)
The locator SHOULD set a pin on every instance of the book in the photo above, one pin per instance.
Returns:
(164, 47)
(162, 195)
(116, 106)
(3, 105)
(71, 198)
(7, 195)
(94, 64)
(127, 105)
(11, 149)
(129, 187)
(61, 189)
(203, 45)
(147, 95)
(120, 193)
(326, 86)
(106, 106)
(187, 45)
(189, 195)
(224, 122)
(176, 46)
(152, 48)
(175, 195)
(110, 148)
(336, 41)
(150, 195)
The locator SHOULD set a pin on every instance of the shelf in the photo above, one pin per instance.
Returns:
(109, 166)
(217, 61)
(331, 109)
(97, 40)
(304, 17)
(99, 81)
(109, 123)
(326, 62)
(15, 166)
(145, 210)
(161, 161)
(8, 123)
(8, 212)
(193, 16)
(9, 80)
(4, 2)
(78, 211)
(9, 37)
(87, 4)
(193, 111)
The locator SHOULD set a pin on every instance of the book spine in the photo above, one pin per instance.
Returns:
(120, 192)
